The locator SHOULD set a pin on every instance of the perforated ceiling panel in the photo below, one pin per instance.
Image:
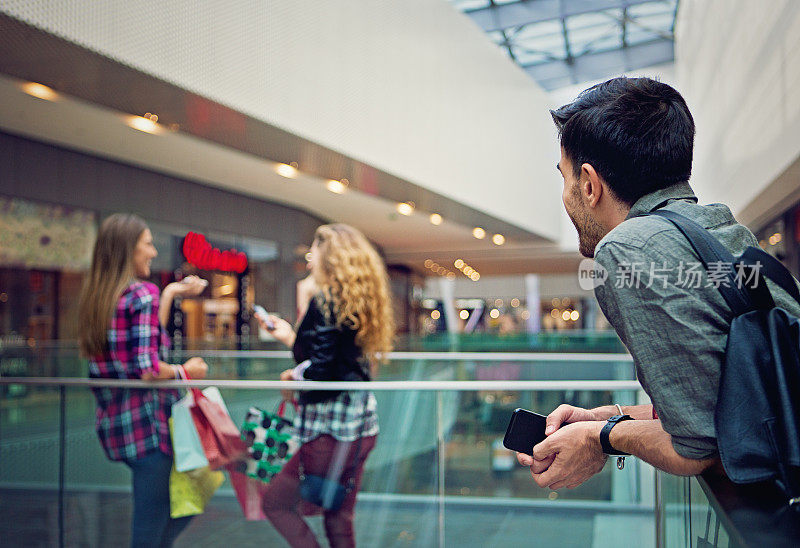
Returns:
(411, 87)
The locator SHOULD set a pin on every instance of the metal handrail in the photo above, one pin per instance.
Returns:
(455, 356)
(455, 386)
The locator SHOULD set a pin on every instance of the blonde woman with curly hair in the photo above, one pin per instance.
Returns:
(346, 330)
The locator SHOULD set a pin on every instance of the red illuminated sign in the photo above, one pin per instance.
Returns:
(199, 252)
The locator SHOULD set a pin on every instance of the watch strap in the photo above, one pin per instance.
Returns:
(605, 443)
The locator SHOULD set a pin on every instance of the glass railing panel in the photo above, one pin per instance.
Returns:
(673, 508)
(689, 519)
(438, 466)
(29, 465)
(490, 496)
(397, 499)
(546, 341)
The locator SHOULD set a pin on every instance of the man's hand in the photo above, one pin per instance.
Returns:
(286, 375)
(563, 414)
(567, 414)
(568, 457)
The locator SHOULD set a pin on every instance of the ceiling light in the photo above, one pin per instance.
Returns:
(574, 315)
(405, 208)
(458, 263)
(475, 276)
(451, 276)
(436, 219)
(38, 90)
(463, 314)
(428, 263)
(435, 314)
(285, 170)
(565, 315)
(337, 187)
(479, 233)
(494, 313)
(498, 239)
(514, 302)
(144, 124)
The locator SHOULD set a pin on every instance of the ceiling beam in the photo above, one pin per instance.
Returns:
(594, 66)
(528, 12)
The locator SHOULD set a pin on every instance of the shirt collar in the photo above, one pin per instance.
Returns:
(655, 200)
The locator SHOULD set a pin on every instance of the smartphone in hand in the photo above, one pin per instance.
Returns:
(261, 314)
(525, 430)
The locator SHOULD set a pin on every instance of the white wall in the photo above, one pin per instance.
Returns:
(412, 87)
(737, 66)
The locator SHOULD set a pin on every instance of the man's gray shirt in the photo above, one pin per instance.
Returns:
(668, 312)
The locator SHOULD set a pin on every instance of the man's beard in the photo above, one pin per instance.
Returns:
(589, 233)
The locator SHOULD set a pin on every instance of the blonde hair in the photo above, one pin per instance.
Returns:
(353, 279)
(111, 272)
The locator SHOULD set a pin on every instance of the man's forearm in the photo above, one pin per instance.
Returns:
(638, 412)
(647, 440)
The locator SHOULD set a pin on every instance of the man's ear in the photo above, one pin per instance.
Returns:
(591, 185)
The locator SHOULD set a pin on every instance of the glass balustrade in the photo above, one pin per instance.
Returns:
(438, 476)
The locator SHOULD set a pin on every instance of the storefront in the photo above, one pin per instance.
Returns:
(240, 272)
(46, 252)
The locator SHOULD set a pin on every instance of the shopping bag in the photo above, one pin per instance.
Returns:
(221, 440)
(189, 492)
(186, 446)
(249, 493)
(271, 441)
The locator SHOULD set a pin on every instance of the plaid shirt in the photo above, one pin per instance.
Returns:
(345, 418)
(133, 422)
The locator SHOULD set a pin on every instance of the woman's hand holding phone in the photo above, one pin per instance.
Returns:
(278, 328)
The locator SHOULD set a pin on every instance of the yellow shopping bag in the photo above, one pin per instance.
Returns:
(189, 492)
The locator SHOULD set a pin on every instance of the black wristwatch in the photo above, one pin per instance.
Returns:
(606, 431)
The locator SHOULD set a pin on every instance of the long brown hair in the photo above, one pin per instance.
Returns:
(353, 278)
(111, 272)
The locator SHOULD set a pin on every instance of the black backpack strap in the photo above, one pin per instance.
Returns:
(710, 250)
(772, 268)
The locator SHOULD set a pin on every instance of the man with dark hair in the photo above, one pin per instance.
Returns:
(626, 150)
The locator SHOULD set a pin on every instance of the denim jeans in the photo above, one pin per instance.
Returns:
(152, 525)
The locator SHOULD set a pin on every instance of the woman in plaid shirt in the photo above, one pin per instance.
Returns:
(347, 327)
(122, 336)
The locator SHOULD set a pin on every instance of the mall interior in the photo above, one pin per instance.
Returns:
(424, 124)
